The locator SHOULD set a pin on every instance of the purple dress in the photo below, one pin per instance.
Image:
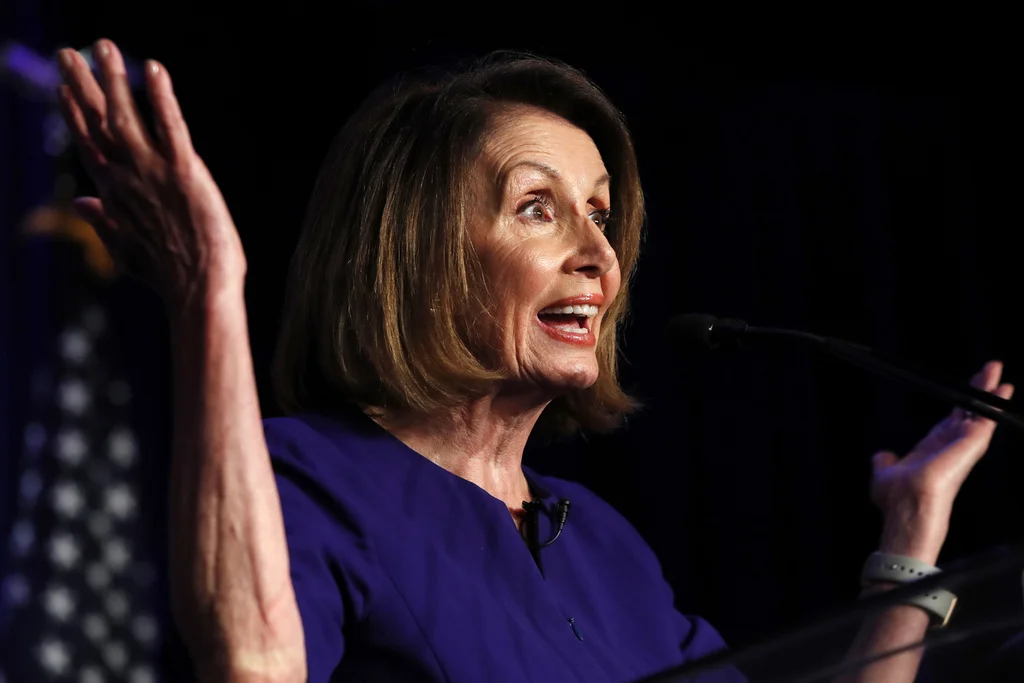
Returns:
(406, 572)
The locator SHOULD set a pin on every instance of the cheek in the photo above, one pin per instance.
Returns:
(520, 280)
(611, 283)
(613, 280)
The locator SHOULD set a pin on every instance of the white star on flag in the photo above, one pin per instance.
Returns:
(53, 655)
(115, 655)
(59, 603)
(91, 674)
(30, 486)
(117, 605)
(68, 499)
(121, 447)
(35, 437)
(22, 537)
(16, 590)
(120, 501)
(74, 396)
(141, 674)
(116, 554)
(74, 345)
(71, 446)
(99, 525)
(95, 626)
(144, 628)
(97, 576)
(64, 550)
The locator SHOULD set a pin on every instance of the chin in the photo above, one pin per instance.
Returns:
(578, 376)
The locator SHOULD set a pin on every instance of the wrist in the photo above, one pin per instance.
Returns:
(206, 301)
(915, 529)
(877, 587)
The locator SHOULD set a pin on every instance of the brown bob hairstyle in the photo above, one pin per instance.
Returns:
(384, 284)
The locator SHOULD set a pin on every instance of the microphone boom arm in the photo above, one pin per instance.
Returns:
(709, 332)
(975, 401)
(969, 398)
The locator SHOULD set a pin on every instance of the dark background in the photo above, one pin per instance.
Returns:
(848, 176)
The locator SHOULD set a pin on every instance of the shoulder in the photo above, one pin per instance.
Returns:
(306, 437)
(321, 471)
(335, 451)
(325, 491)
(332, 558)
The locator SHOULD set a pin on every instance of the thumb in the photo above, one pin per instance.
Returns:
(883, 460)
(90, 210)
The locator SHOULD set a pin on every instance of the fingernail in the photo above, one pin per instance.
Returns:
(152, 67)
(102, 48)
(66, 58)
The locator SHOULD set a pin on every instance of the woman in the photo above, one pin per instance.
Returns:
(457, 283)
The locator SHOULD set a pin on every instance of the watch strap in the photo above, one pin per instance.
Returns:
(889, 568)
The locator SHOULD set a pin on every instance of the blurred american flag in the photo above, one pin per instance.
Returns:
(78, 590)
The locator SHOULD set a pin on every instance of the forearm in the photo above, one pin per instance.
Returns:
(901, 626)
(230, 582)
(892, 629)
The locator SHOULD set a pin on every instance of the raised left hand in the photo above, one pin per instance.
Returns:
(916, 492)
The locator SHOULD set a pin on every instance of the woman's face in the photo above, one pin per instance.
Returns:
(543, 204)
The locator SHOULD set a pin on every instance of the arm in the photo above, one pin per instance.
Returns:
(163, 218)
(916, 495)
(231, 589)
(901, 626)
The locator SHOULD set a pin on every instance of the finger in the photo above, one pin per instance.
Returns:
(987, 379)
(88, 96)
(90, 153)
(1003, 391)
(980, 428)
(170, 124)
(91, 210)
(122, 115)
(882, 460)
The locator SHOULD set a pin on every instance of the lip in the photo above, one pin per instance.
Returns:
(594, 299)
(576, 339)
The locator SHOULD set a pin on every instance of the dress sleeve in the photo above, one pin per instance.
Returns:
(699, 639)
(333, 567)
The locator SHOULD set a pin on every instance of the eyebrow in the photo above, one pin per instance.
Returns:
(549, 171)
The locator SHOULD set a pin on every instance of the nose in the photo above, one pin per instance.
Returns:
(592, 253)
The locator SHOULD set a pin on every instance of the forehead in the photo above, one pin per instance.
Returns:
(533, 135)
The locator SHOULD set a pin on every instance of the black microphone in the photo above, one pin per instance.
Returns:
(531, 526)
(563, 513)
(698, 330)
(534, 506)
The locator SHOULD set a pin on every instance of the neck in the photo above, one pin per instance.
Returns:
(481, 441)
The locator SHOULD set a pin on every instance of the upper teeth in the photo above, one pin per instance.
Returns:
(586, 310)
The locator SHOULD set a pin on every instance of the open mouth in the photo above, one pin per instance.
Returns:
(569, 320)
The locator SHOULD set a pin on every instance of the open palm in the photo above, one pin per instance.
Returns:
(937, 466)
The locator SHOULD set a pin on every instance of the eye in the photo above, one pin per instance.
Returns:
(601, 218)
(538, 208)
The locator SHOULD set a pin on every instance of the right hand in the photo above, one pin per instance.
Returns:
(159, 212)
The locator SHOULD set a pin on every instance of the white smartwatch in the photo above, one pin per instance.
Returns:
(889, 568)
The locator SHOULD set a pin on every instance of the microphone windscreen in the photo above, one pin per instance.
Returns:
(692, 330)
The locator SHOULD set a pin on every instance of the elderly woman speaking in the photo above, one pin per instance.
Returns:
(457, 284)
